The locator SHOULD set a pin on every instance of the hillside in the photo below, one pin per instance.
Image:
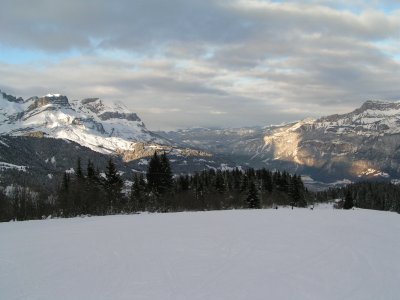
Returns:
(263, 254)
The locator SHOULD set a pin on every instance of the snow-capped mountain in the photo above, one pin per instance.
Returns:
(108, 128)
(45, 136)
(361, 144)
(102, 127)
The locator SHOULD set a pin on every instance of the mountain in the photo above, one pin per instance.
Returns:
(105, 128)
(89, 122)
(45, 136)
(362, 144)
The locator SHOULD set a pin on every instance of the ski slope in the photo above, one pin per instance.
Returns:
(253, 254)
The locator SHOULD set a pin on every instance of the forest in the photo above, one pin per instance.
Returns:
(88, 191)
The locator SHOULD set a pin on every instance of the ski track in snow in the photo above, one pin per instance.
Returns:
(243, 254)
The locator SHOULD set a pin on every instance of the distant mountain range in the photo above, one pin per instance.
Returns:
(45, 135)
(363, 144)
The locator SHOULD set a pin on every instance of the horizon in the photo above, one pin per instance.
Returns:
(206, 127)
(211, 64)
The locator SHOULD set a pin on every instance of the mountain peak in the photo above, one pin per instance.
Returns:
(105, 111)
(54, 99)
(378, 105)
(53, 95)
(11, 98)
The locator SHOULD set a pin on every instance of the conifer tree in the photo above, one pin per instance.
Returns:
(137, 195)
(113, 186)
(77, 189)
(296, 191)
(79, 172)
(252, 198)
(94, 199)
(219, 182)
(348, 201)
(64, 195)
(167, 180)
(154, 173)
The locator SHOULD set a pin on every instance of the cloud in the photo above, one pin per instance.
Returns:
(185, 63)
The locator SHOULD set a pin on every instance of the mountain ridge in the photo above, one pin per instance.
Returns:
(361, 144)
(91, 122)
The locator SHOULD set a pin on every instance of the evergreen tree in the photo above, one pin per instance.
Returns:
(252, 198)
(77, 189)
(219, 182)
(64, 196)
(137, 196)
(79, 172)
(154, 173)
(113, 186)
(348, 201)
(167, 180)
(296, 191)
(5, 209)
(94, 199)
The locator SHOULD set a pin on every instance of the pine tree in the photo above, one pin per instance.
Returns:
(137, 195)
(348, 201)
(252, 198)
(64, 195)
(296, 191)
(79, 172)
(154, 173)
(94, 199)
(113, 186)
(77, 189)
(219, 182)
(167, 180)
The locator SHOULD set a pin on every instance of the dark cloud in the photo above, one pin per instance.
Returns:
(185, 63)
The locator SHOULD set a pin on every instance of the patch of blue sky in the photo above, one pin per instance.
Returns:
(389, 47)
(355, 7)
(12, 55)
(389, 6)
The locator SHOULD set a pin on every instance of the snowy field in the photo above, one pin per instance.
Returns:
(264, 254)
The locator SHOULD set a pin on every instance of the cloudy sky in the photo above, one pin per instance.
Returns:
(185, 63)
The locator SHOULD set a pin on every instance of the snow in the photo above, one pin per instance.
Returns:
(7, 166)
(70, 171)
(255, 254)
(143, 161)
(77, 123)
(4, 144)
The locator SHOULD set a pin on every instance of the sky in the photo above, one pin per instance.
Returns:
(203, 63)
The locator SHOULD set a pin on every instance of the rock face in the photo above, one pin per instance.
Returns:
(358, 145)
(50, 99)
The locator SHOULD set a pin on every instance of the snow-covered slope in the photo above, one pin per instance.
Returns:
(266, 254)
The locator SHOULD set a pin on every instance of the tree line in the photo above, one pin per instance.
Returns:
(368, 195)
(88, 191)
